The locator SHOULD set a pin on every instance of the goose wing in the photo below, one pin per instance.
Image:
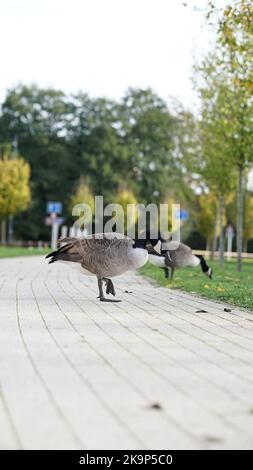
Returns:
(177, 254)
(101, 254)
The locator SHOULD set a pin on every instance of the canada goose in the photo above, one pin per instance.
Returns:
(177, 255)
(103, 255)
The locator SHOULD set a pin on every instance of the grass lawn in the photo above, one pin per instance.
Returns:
(227, 284)
(12, 251)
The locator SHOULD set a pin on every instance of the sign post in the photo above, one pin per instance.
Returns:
(64, 231)
(54, 236)
(54, 209)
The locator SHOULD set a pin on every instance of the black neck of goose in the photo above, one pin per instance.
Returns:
(203, 263)
(140, 243)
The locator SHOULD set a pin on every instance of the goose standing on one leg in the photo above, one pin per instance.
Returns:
(103, 255)
(177, 255)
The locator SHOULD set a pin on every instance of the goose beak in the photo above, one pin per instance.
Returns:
(158, 247)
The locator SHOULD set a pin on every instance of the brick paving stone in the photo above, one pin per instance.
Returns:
(76, 373)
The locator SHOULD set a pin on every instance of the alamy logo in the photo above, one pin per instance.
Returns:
(130, 220)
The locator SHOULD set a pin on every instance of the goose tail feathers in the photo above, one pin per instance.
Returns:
(60, 254)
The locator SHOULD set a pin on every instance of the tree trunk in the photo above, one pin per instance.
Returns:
(10, 229)
(239, 235)
(221, 213)
(214, 240)
(3, 232)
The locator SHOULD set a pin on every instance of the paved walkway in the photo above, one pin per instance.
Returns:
(161, 369)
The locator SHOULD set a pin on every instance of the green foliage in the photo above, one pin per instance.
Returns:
(248, 216)
(37, 118)
(226, 125)
(124, 197)
(107, 142)
(14, 251)
(227, 77)
(205, 215)
(82, 195)
(149, 133)
(215, 157)
(226, 286)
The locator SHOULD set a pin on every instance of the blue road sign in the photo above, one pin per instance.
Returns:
(54, 207)
(182, 215)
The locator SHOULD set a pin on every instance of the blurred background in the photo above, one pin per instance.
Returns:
(139, 101)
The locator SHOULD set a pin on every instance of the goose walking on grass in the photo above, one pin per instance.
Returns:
(103, 255)
(177, 255)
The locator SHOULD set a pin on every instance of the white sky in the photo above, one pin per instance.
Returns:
(102, 46)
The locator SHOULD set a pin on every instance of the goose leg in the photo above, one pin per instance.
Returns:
(166, 272)
(172, 273)
(109, 286)
(101, 293)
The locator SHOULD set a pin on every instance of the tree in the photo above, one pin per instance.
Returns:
(248, 217)
(63, 137)
(149, 132)
(82, 195)
(217, 170)
(37, 119)
(236, 39)
(205, 217)
(232, 68)
(97, 143)
(210, 160)
(14, 188)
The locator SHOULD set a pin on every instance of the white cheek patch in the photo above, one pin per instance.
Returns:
(158, 247)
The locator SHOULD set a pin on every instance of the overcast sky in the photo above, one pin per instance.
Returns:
(102, 46)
